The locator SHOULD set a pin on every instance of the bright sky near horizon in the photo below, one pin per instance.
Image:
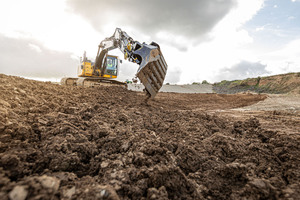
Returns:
(209, 40)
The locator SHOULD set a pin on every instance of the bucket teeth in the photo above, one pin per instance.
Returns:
(152, 70)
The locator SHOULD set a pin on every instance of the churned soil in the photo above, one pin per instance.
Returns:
(68, 142)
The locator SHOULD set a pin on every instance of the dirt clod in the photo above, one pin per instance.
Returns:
(18, 193)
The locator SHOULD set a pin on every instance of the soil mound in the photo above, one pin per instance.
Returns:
(63, 142)
(277, 84)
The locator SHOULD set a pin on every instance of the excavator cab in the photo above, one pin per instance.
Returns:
(112, 66)
(111, 69)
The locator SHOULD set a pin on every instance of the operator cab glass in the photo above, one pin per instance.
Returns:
(111, 65)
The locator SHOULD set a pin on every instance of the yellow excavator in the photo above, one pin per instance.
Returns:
(90, 76)
(152, 65)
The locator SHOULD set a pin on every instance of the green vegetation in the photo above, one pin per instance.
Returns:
(195, 83)
(258, 81)
(224, 82)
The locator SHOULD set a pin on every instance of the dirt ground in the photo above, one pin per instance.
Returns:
(64, 142)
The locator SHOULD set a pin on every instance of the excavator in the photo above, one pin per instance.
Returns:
(152, 65)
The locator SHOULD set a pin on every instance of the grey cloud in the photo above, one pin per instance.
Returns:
(242, 70)
(27, 57)
(191, 19)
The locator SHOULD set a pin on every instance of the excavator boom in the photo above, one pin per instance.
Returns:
(152, 65)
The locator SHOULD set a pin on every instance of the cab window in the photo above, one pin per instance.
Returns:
(111, 66)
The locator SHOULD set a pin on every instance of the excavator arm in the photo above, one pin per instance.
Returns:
(152, 65)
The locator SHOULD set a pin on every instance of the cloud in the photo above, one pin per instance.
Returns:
(191, 19)
(50, 23)
(173, 75)
(29, 58)
(286, 59)
(243, 69)
(35, 47)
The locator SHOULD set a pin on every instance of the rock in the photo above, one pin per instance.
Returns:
(21, 91)
(69, 192)
(104, 164)
(49, 182)
(258, 183)
(123, 117)
(118, 163)
(42, 121)
(18, 193)
(106, 193)
(261, 188)
(125, 146)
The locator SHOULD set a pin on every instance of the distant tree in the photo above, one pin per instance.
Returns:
(258, 80)
(205, 82)
(167, 83)
(195, 83)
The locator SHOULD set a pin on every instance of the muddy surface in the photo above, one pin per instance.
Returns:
(63, 142)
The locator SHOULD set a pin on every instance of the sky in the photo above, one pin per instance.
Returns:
(211, 40)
